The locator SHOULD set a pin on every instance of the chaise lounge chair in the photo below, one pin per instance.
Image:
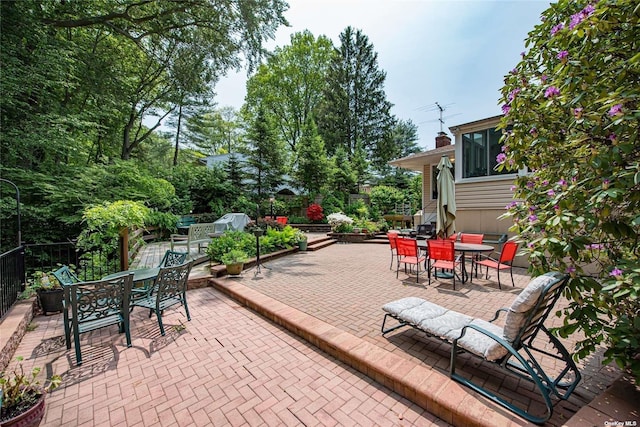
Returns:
(510, 347)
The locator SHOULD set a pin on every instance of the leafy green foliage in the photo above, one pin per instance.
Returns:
(234, 256)
(313, 168)
(229, 241)
(386, 198)
(20, 390)
(289, 86)
(572, 118)
(354, 110)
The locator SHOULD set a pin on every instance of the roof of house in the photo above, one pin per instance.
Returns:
(417, 161)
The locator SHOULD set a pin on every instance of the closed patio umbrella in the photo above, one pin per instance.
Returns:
(446, 206)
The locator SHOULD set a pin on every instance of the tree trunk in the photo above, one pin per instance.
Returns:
(175, 153)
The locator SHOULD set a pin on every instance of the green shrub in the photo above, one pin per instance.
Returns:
(386, 198)
(358, 210)
(165, 221)
(229, 241)
(571, 117)
(234, 256)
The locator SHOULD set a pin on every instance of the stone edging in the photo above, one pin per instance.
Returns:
(14, 326)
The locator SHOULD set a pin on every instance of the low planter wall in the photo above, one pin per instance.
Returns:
(313, 228)
(351, 237)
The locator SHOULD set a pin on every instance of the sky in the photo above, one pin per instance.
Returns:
(451, 52)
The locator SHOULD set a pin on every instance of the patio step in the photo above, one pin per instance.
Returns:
(320, 243)
(426, 387)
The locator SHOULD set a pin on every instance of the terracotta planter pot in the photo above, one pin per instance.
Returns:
(51, 300)
(234, 269)
(29, 418)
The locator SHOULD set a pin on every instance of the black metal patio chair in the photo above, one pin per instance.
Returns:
(94, 305)
(168, 289)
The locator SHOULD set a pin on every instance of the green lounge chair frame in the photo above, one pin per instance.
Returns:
(513, 360)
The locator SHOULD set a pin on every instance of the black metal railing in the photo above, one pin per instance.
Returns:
(12, 278)
(88, 265)
(19, 264)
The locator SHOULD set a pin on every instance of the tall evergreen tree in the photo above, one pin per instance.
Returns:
(404, 137)
(355, 108)
(313, 166)
(265, 154)
(344, 177)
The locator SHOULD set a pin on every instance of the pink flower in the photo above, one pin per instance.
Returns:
(551, 92)
(551, 192)
(505, 109)
(557, 28)
(544, 78)
(513, 93)
(500, 158)
(616, 272)
(563, 55)
(615, 110)
(533, 218)
(577, 112)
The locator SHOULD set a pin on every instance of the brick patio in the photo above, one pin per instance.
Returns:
(231, 366)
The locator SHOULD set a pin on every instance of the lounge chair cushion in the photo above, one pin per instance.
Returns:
(444, 326)
(522, 305)
(398, 306)
(427, 310)
(481, 344)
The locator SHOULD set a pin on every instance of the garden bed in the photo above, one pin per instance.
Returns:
(351, 237)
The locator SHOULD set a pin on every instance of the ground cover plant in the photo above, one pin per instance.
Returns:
(571, 118)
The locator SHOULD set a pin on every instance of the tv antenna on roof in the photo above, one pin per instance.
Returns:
(437, 107)
(441, 120)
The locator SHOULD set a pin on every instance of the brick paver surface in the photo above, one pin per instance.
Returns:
(346, 285)
(227, 366)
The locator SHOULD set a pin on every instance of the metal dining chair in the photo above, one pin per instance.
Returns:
(408, 255)
(504, 262)
(169, 289)
(393, 245)
(472, 238)
(95, 305)
(442, 255)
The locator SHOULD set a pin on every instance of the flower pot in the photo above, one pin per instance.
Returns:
(29, 418)
(235, 269)
(51, 300)
(302, 245)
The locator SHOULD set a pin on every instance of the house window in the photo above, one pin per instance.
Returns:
(479, 151)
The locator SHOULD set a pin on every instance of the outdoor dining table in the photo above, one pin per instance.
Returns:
(463, 248)
(141, 276)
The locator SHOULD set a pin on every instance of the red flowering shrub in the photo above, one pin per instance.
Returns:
(314, 212)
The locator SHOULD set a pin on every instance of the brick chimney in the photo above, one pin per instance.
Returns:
(442, 140)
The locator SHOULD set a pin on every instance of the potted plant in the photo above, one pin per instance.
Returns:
(48, 289)
(300, 239)
(22, 396)
(234, 261)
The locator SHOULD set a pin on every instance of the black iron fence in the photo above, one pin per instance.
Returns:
(88, 265)
(19, 264)
(12, 274)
